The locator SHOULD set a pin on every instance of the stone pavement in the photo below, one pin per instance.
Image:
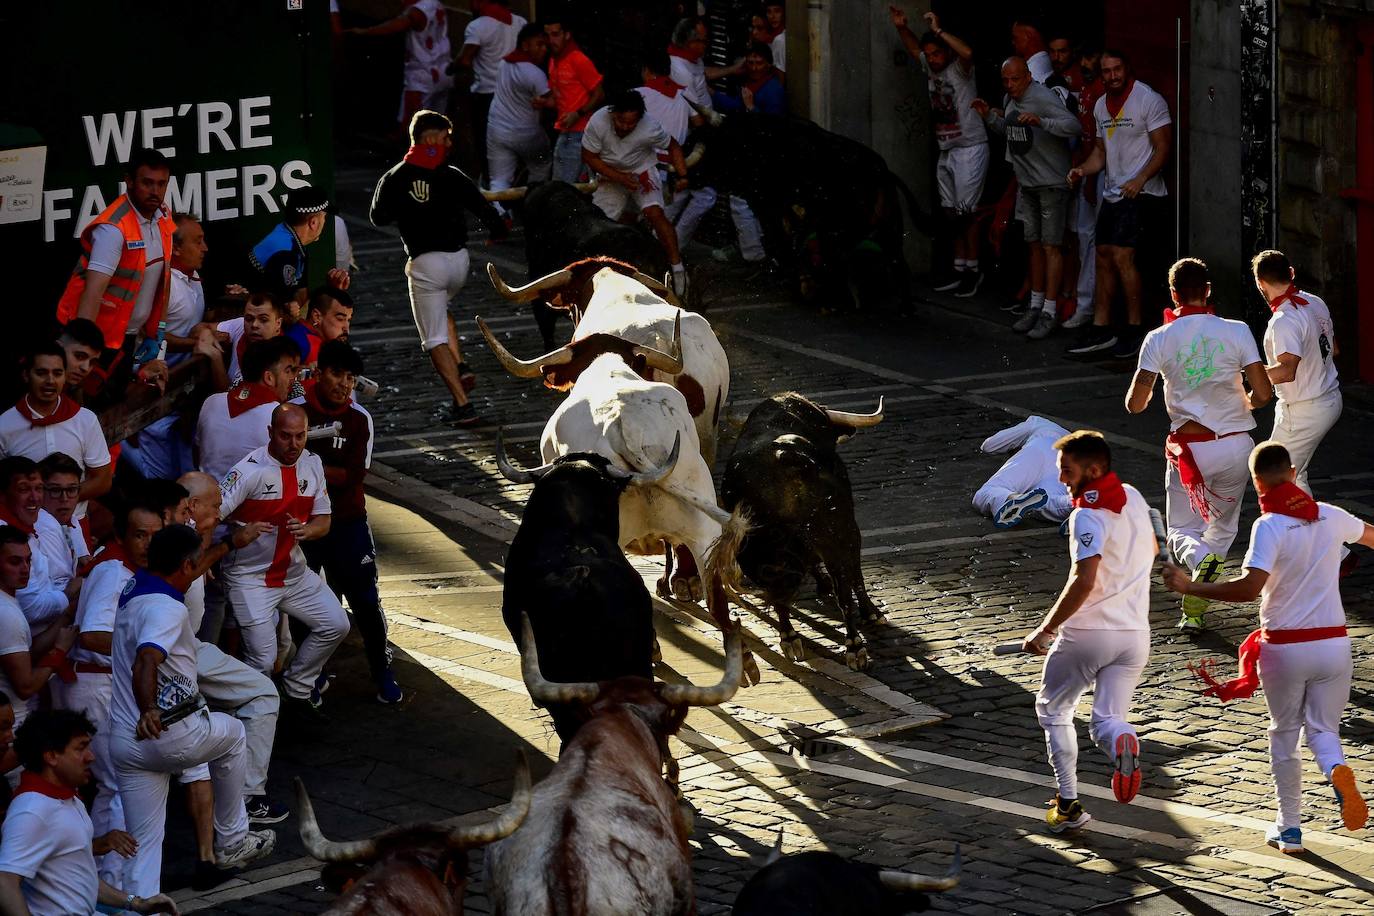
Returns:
(835, 760)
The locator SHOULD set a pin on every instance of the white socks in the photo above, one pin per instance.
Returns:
(1051, 308)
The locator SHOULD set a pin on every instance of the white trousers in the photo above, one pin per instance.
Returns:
(1306, 687)
(1032, 465)
(1225, 466)
(506, 151)
(1109, 662)
(91, 695)
(305, 598)
(229, 685)
(144, 772)
(1301, 426)
(1087, 247)
(687, 211)
(433, 279)
(747, 228)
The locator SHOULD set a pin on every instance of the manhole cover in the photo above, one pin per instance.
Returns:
(1180, 901)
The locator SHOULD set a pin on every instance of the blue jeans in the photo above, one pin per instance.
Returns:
(349, 560)
(567, 156)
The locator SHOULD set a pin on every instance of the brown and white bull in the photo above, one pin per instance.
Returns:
(419, 870)
(605, 835)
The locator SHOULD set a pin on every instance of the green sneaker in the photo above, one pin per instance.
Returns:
(1211, 569)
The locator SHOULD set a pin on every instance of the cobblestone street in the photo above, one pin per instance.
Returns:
(936, 745)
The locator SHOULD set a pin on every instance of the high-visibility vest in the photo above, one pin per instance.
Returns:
(117, 304)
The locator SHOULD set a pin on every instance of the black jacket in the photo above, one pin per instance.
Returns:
(427, 207)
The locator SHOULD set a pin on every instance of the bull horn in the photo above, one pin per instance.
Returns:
(713, 117)
(698, 150)
(510, 471)
(652, 475)
(505, 193)
(670, 362)
(905, 881)
(586, 187)
(530, 290)
(523, 368)
(545, 692)
(856, 420)
(658, 286)
(315, 842)
(691, 695)
(775, 853)
(506, 823)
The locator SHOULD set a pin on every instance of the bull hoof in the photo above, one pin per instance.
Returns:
(856, 656)
(687, 589)
(751, 670)
(688, 812)
(792, 648)
(657, 656)
(875, 617)
(661, 586)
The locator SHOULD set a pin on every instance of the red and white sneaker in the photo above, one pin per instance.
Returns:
(1126, 779)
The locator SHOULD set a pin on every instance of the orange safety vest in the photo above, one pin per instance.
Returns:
(117, 304)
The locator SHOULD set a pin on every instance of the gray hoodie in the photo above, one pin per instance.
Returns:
(1039, 155)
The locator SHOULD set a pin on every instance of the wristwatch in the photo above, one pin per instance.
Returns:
(129, 901)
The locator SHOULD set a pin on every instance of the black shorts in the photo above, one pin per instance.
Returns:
(1127, 222)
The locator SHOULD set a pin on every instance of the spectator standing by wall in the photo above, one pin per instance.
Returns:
(61, 495)
(490, 36)
(1088, 198)
(84, 343)
(28, 655)
(1028, 43)
(48, 595)
(577, 92)
(776, 16)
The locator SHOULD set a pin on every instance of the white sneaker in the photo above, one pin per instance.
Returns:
(1078, 319)
(258, 844)
(1044, 325)
(679, 281)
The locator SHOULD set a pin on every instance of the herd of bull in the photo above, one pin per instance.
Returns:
(627, 468)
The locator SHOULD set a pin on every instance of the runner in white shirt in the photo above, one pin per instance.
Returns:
(425, 79)
(1203, 359)
(232, 423)
(1028, 482)
(514, 134)
(47, 862)
(42, 599)
(493, 33)
(1301, 653)
(1097, 635)
(283, 484)
(154, 660)
(1300, 350)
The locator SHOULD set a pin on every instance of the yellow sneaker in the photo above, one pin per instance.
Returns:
(1211, 569)
(1060, 818)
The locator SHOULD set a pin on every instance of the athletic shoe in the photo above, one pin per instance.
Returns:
(1096, 342)
(727, 255)
(1011, 512)
(973, 280)
(1027, 320)
(1078, 319)
(209, 876)
(322, 685)
(262, 810)
(464, 415)
(951, 284)
(1354, 811)
(1126, 778)
(1060, 818)
(1044, 326)
(1211, 569)
(1128, 344)
(1288, 842)
(258, 844)
(467, 377)
(1016, 306)
(1190, 622)
(305, 710)
(388, 692)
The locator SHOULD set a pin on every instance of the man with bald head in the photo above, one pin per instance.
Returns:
(283, 486)
(1038, 127)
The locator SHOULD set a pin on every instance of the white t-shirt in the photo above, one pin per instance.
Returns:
(517, 85)
(234, 328)
(1303, 560)
(151, 613)
(779, 48)
(428, 50)
(261, 488)
(1307, 332)
(221, 441)
(195, 603)
(98, 604)
(494, 40)
(671, 113)
(47, 843)
(80, 438)
(1200, 358)
(1040, 66)
(1120, 596)
(41, 600)
(107, 244)
(185, 309)
(1127, 139)
(635, 152)
(15, 636)
(952, 90)
(58, 550)
(692, 75)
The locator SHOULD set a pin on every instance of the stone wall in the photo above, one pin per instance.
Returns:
(1214, 160)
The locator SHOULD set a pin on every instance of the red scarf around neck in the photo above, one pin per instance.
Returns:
(663, 85)
(245, 396)
(1117, 100)
(426, 157)
(1289, 499)
(1173, 315)
(675, 51)
(1288, 295)
(66, 409)
(8, 516)
(1106, 492)
(312, 400)
(494, 10)
(32, 782)
(115, 551)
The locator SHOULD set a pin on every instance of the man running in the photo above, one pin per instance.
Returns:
(1202, 358)
(1301, 651)
(1097, 635)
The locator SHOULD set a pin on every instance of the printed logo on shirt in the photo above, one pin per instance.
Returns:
(288, 275)
(1090, 497)
(1324, 345)
(302, 486)
(133, 245)
(1199, 360)
(268, 488)
(230, 481)
(419, 191)
(1019, 139)
(1086, 539)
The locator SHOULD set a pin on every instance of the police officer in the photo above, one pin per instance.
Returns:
(278, 261)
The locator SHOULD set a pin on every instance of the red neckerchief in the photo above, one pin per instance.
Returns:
(66, 409)
(426, 157)
(32, 782)
(675, 51)
(8, 516)
(1288, 295)
(663, 85)
(494, 10)
(1289, 499)
(246, 395)
(115, 551)
(1244, 686)
(518, 56)
(1179, 453)
(1116, 101)
(1106, 492)
(312, 400)
(1172, 314)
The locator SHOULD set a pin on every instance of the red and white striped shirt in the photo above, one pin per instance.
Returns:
(262, 489)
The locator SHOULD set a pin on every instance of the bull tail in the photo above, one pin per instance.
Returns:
(921, 220)
(722, 560)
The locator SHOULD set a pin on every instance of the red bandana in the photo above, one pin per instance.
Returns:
(312, 400)
(1173, 315)
(8, 516)
(1179, 453)
(494, 10)
(1105, 492)
(115, 551)
(426, 157)
(66, 409)
(246, 395)
(518, 56)
(663, 85)
(1288, 295)
(1289, 499)
(32, 782)
(1117, 100)
(675, 51)
(1244, 686)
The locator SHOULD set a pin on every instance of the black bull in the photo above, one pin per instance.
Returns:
(824, 884)
(563, 226)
